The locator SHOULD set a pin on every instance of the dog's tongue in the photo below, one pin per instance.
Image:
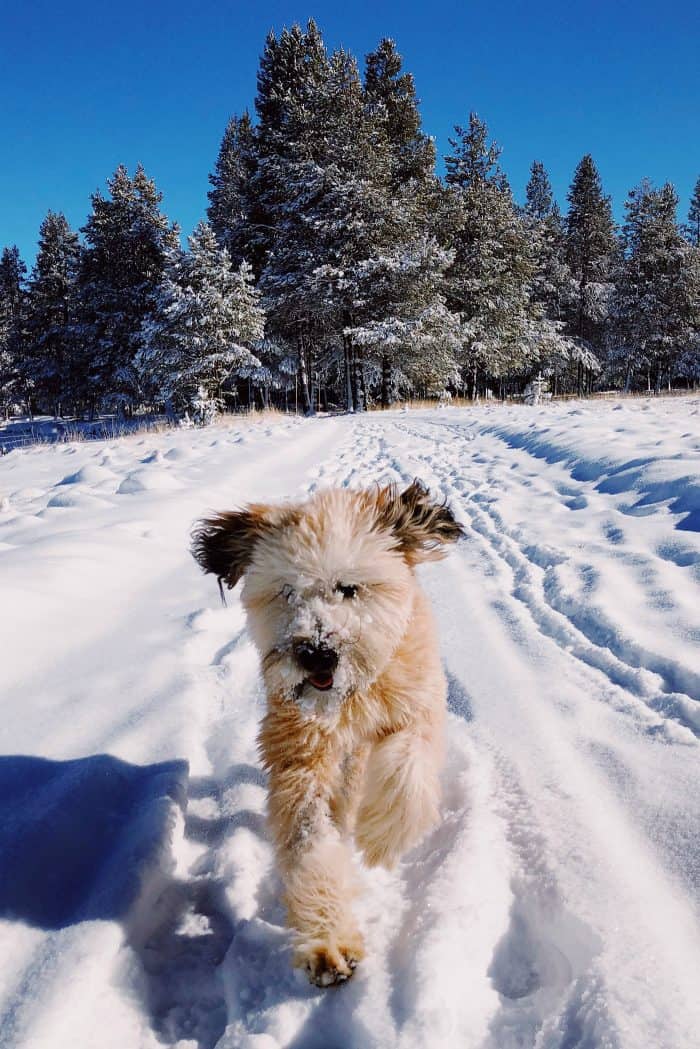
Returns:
(321, 681)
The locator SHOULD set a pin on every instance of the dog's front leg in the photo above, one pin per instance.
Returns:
(402, 794)
(313, 856)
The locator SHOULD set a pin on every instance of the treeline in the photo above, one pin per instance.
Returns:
(336, 268)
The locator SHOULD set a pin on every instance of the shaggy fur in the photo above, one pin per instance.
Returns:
(352, 739)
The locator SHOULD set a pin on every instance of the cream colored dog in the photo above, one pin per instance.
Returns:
(352, 739)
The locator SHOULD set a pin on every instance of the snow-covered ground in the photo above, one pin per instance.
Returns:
(555, 905)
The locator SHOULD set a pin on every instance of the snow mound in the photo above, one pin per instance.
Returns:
(77, 499)
(147, 481)
(91, 474)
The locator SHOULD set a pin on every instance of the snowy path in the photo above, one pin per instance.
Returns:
(556, 904)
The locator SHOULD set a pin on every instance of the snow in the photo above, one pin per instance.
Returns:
(556, 903)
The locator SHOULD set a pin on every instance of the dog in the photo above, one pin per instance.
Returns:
(353, 736)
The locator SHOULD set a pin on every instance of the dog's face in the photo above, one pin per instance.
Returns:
(328, 583)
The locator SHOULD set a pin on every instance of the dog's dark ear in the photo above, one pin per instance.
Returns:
(422, 526)
(223, 544)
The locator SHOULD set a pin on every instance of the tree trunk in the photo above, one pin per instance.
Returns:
(303, 376)
(363, 386)
(355, 380)
(348, 374)
(386, 381)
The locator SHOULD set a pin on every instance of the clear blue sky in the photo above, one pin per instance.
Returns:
(85, 86)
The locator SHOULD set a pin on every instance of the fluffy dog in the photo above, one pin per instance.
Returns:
(352, 740)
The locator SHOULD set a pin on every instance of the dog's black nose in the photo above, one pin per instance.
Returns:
(315, 658)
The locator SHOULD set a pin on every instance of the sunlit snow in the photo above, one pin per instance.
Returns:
(556, 903)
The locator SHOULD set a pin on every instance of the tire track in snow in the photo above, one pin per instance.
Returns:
(567, 622)
(659, 915)
(613, 883)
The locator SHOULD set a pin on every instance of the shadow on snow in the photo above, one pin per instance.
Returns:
(75, 835)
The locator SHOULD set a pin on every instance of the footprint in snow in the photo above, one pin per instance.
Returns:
(579, 502)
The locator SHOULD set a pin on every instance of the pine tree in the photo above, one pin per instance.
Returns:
(658, 295)
(370, 274)
(341, 212)
(474, 162)
(276, 371)
(12, 315)
(539, 199)
(693, 226)
(404, 297)
(409, 339)
(349, 213)
(489, 280)
(591, 246)
(392, 95)
(325, 179)
(552, 285)
(231, 210)
(128, 240)
(204, 318)
(51, 356)
(290, 143)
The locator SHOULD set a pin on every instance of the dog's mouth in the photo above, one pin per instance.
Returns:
(322, 682)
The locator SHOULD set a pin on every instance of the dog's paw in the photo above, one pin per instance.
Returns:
(328, 964)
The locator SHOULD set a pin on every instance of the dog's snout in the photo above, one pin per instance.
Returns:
(315, 658)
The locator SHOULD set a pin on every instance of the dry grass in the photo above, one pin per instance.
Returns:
(620, 395)
(466, 402)
(421, 403)
(254, 417)
(43, 432)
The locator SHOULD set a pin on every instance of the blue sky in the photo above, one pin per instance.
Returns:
(86, 86)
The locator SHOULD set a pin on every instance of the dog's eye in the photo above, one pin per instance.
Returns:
(288, 593)
(348, 590)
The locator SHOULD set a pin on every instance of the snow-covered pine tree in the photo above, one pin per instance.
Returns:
(231, 210)
(391, 95)
(552, 285)
(348, 213)
(290, 141)
(204, 318)
(346, 205)
(489, 280)
(539, 199)
(409, 339)
(13, 387)
(658, 293)
(276, 371)
(693, 226)
(127, 242)
(372, 272)
(591, 250)
(51, 358)
(405, 322)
